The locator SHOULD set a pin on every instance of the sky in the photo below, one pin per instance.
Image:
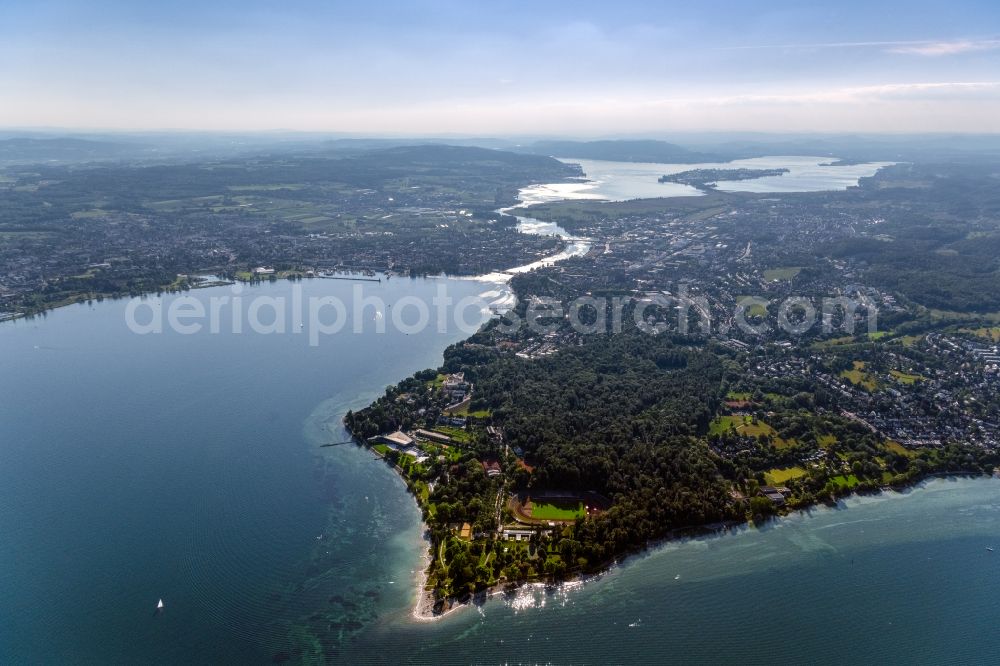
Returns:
(501, 68)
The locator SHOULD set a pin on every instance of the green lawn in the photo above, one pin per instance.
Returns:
(744, 426)
(775, 274)
(751, 307)
(557, 510)
(464, 411)
(898, 448)
(848, 481)
(781, 443)
(836, 342)
(859, 377)
(992, 333)
(457, 434)
(905, 378)
(780, 475)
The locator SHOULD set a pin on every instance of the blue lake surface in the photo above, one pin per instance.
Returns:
(620, 181)
(189, 468)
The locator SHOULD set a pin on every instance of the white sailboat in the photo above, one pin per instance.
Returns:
(159, 606)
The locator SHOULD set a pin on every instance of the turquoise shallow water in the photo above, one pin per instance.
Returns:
(188, 468)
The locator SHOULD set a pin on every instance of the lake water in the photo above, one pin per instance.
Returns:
(188, 468)
(621, 181)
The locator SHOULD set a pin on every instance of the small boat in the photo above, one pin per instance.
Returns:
(989, 549)
(159, 606)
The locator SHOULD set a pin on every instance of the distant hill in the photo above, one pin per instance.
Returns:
(25, 149)
(349, 146)
(449, 155)
(623, 151)
(476, 169)
(700, 148)
(855, 147)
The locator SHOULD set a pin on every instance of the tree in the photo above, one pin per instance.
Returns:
(761, 507)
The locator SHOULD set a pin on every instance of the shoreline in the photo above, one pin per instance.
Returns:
(423, 609)
(500, 276)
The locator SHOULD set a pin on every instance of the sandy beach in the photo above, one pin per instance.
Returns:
(423, 609)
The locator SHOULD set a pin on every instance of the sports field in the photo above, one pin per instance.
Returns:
(557, 509)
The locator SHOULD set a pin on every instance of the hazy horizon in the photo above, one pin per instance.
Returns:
(447, 68)
(9, 131)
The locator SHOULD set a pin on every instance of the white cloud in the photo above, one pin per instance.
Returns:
(923, 47)
(946, 89)
(946, 48)
(928, 91)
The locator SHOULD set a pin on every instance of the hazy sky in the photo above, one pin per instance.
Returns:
(583, 68)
